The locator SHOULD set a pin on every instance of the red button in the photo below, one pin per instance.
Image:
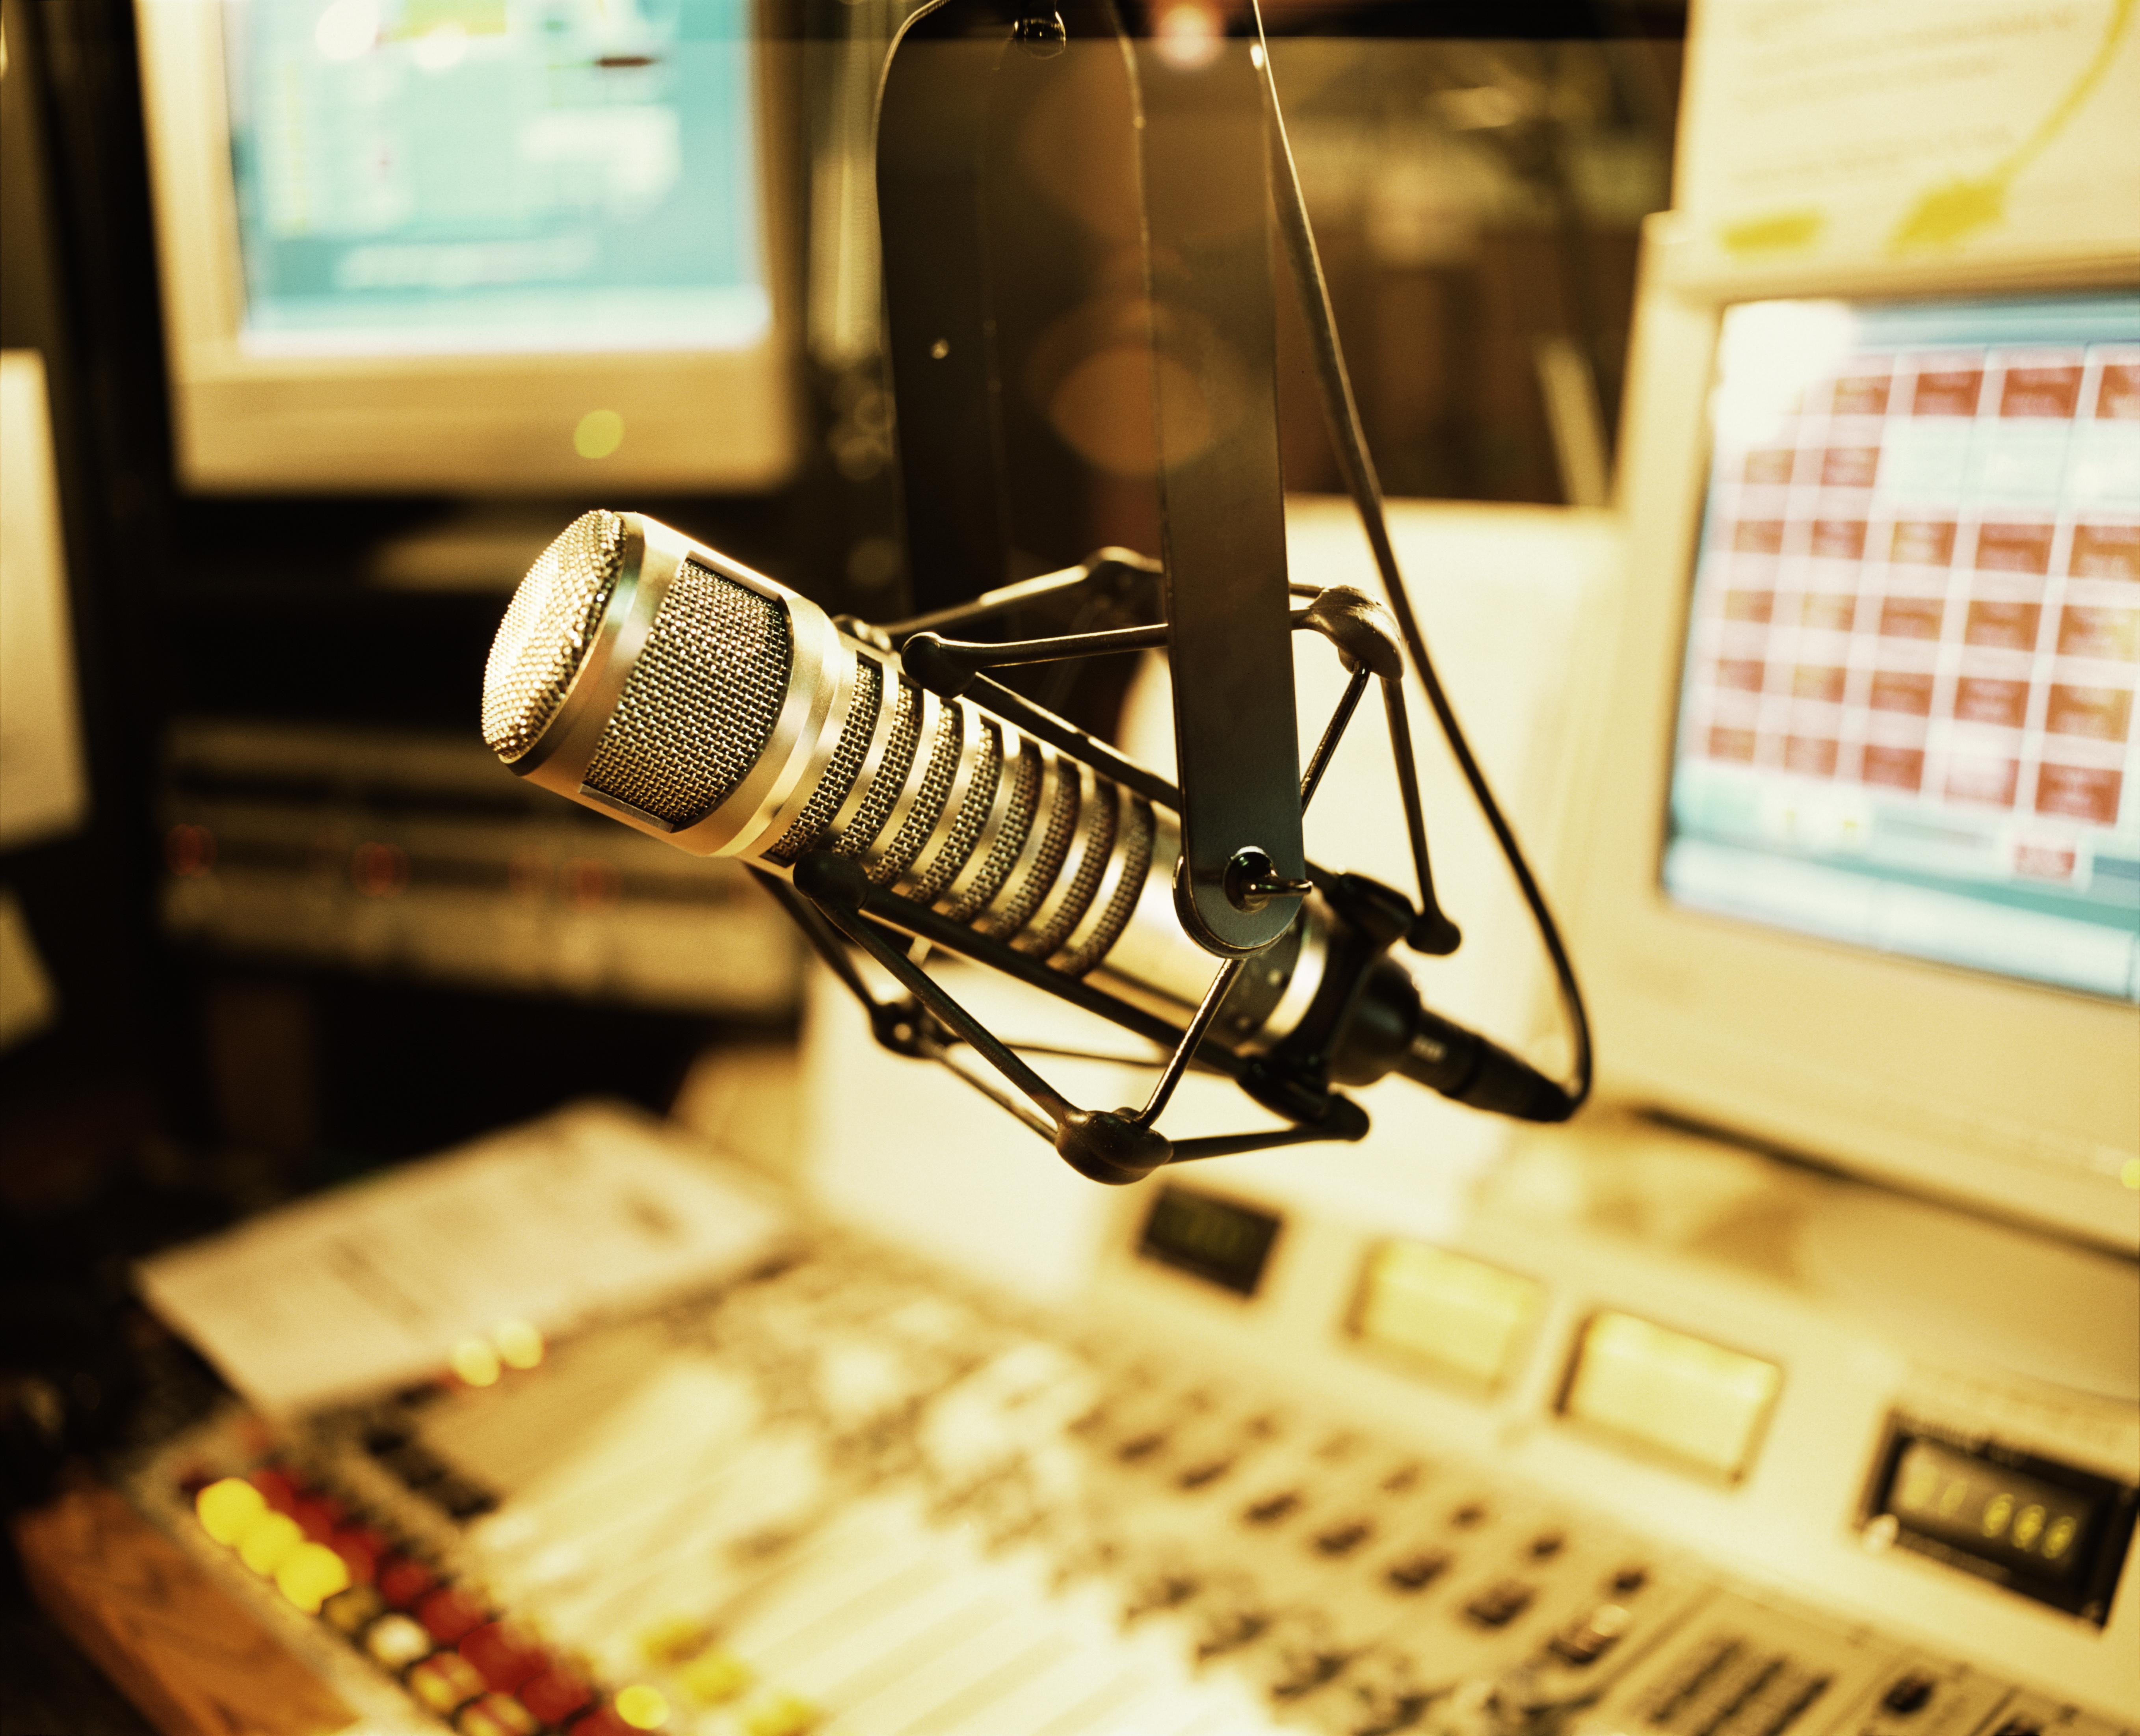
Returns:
(402, 1580)
(555, 1694)
(278, 1487)
(362, 1549)
(451, 1614)
(316, 1516)
(506, 1657)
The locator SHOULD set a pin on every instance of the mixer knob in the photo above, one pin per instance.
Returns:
(1230, 1628)
(1158, 1591)
(1418, 1570)
(1342, 1538)
(1909, 1694)
(1583, 1642)
(1501, 1603)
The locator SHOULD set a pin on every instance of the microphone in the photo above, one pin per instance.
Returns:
(660, 682)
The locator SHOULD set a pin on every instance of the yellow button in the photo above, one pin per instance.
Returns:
(267, 1543)
(642, 1707)
(475, 1362)
(519, 1343)
(715, 1678)
(676, 1640)
(229, 1508)
(310, 1574)
(784, 1714)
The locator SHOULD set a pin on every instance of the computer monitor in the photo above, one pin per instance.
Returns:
(1863, 878)
(470, 247)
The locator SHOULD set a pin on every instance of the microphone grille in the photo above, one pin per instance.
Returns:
(547, 630)
(701, 702)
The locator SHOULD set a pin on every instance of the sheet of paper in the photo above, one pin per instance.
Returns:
(597, 1209)
(1836, 131)
(44, 791)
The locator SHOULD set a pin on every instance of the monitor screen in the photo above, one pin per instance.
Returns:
(427, 176)
(1907, 716)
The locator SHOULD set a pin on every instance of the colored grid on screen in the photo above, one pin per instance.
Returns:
(1929, 637)
(1909, 692)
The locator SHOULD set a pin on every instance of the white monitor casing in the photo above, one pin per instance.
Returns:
(453, 423)
(1998, 1093)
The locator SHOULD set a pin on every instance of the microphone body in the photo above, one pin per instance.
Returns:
(660, 682)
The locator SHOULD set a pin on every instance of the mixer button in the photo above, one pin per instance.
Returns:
(715, 1677)
(555, 1694)
(229, 1508)
(1306, 1670)
(1272, 1508)
(354, 1610)
(505, 1656)
(404, 1581)
(496, 1714)
(1226, 1630)
(1158, 1591)
(362, 1549)
(1585, 1641)
(450, 1615)
(1418, 1570)
(277, 1487)
(785, 1714)
(1912, 1693)
(1501, 1603)
(395, 1642)
(445, 1682)
(640, 1707)
(318, 1516)
(1342, 1539)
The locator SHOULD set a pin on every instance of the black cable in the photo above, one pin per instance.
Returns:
(1342, 412)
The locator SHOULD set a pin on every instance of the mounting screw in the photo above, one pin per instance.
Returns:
(1040, 34)
(1253, 880)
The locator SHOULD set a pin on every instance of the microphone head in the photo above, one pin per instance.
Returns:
(643, 674)
(548, 630)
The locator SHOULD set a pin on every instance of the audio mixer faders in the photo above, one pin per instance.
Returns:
(847, 1496)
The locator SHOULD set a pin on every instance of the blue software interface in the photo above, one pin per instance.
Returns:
(1906, 719)
(454, 176)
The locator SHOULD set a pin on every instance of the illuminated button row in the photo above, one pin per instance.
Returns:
(454, 1653)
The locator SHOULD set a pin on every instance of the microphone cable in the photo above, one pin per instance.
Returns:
(1342, 412)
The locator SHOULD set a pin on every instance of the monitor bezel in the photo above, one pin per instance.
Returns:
(2019, 1098)
(468, 424)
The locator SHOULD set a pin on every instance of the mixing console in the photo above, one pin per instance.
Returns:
(846, 1495)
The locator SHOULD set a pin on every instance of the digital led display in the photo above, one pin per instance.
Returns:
(2048, 1530)
(1214, 1239)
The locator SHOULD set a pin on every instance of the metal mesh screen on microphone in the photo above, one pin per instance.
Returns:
(1021, 849)
(1017, 827)
(547, 630)
(701, 700)
(890, 773)
(927, 808)
(808, 831)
